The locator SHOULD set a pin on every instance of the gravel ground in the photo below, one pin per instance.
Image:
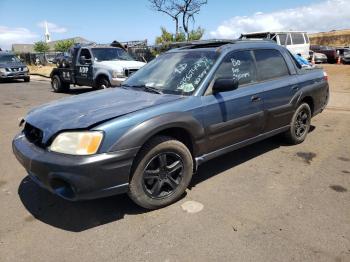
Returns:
(266, 202)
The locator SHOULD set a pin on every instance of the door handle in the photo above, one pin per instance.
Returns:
(255, 98)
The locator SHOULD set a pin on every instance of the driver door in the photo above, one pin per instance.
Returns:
(83, 70)
(234, 116)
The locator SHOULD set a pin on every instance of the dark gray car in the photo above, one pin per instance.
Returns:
(11, 67)
(185, 107)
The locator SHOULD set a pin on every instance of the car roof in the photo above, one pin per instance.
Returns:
(224, 44)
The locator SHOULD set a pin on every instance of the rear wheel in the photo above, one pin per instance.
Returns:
(162, 172)
(58, 85)
(300, 125)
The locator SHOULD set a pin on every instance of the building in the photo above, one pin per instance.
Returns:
(29, 48)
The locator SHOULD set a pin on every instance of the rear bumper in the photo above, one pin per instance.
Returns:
(75, 177)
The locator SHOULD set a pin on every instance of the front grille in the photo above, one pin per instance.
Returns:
(129, 72)
(33, 134)
(14, 69)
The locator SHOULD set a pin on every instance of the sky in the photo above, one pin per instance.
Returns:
(103, 21)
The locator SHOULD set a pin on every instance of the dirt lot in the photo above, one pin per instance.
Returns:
(266, 202)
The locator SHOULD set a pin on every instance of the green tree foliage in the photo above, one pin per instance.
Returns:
(167, 37)
(196, 34)
(41, 47)
(63, 45)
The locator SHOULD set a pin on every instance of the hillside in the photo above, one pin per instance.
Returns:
(333, 38)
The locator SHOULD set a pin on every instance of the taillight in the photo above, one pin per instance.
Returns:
(325, 76)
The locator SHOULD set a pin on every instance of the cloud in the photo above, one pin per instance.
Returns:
(324, 16)
(9, 36)
(52, 27)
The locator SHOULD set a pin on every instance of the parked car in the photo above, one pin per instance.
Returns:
(97, 66)
(63, 60)
(295, 42)
(318, 57)
(330, 52)
(185, 107)
(11, 67)
(344, 54)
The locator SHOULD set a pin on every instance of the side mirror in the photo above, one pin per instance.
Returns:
(225, 85)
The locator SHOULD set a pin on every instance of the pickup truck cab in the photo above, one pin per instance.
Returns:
(94, 65)
(183, 108)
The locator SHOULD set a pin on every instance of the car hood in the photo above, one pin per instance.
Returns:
(122, 63)
(86, 110)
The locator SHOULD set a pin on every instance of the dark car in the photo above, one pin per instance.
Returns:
(330, 52)
(11, 67)
(185, 107)
(63, 59)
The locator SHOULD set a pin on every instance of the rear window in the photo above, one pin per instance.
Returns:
(298, 39)
(270, 64)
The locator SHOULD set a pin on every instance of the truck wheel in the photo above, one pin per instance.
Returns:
(58, 86)
(300, 125)
(162, 171)
(102, 83)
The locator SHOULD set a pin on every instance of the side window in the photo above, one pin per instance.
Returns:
(238, 65)
(86, 53)
(270, 64)
(283, 39)
(298, 39)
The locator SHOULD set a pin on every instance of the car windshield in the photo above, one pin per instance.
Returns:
(9, 59)
(110, 54)
(174, 73)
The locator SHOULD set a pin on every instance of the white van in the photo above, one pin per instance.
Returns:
(295, 42)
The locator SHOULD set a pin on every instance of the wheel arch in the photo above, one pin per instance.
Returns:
(180, 126)
(310, 101)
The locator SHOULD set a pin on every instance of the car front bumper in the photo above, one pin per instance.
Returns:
(117, 81)
(75, 177)
(14, 75)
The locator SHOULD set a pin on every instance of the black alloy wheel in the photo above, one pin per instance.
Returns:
(162, 175)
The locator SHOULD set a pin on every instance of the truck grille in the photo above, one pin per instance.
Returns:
(33, 134)
(14, 69)
(129, 72)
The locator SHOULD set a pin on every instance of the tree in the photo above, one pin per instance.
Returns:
(63, 45)
(167, 7)
(196, 34)
(175, 8)
(41, 47)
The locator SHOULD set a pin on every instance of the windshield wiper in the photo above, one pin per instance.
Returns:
(146, 88)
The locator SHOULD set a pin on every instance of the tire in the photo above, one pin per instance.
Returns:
(27, 79)
(102, 83)
(58, 86)
(161, 173)
(300, 125)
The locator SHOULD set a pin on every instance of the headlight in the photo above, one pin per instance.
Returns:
(2, 70)
(25, 69)
(77, 143)
(118, 74)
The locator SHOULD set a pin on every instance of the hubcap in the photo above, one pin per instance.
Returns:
(162, 175)
(301, 123)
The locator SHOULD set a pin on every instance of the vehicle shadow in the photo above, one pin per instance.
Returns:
(83, 215)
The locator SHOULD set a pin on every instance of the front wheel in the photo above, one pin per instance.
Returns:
(162, 172)
(102, 83)
(300, 125)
